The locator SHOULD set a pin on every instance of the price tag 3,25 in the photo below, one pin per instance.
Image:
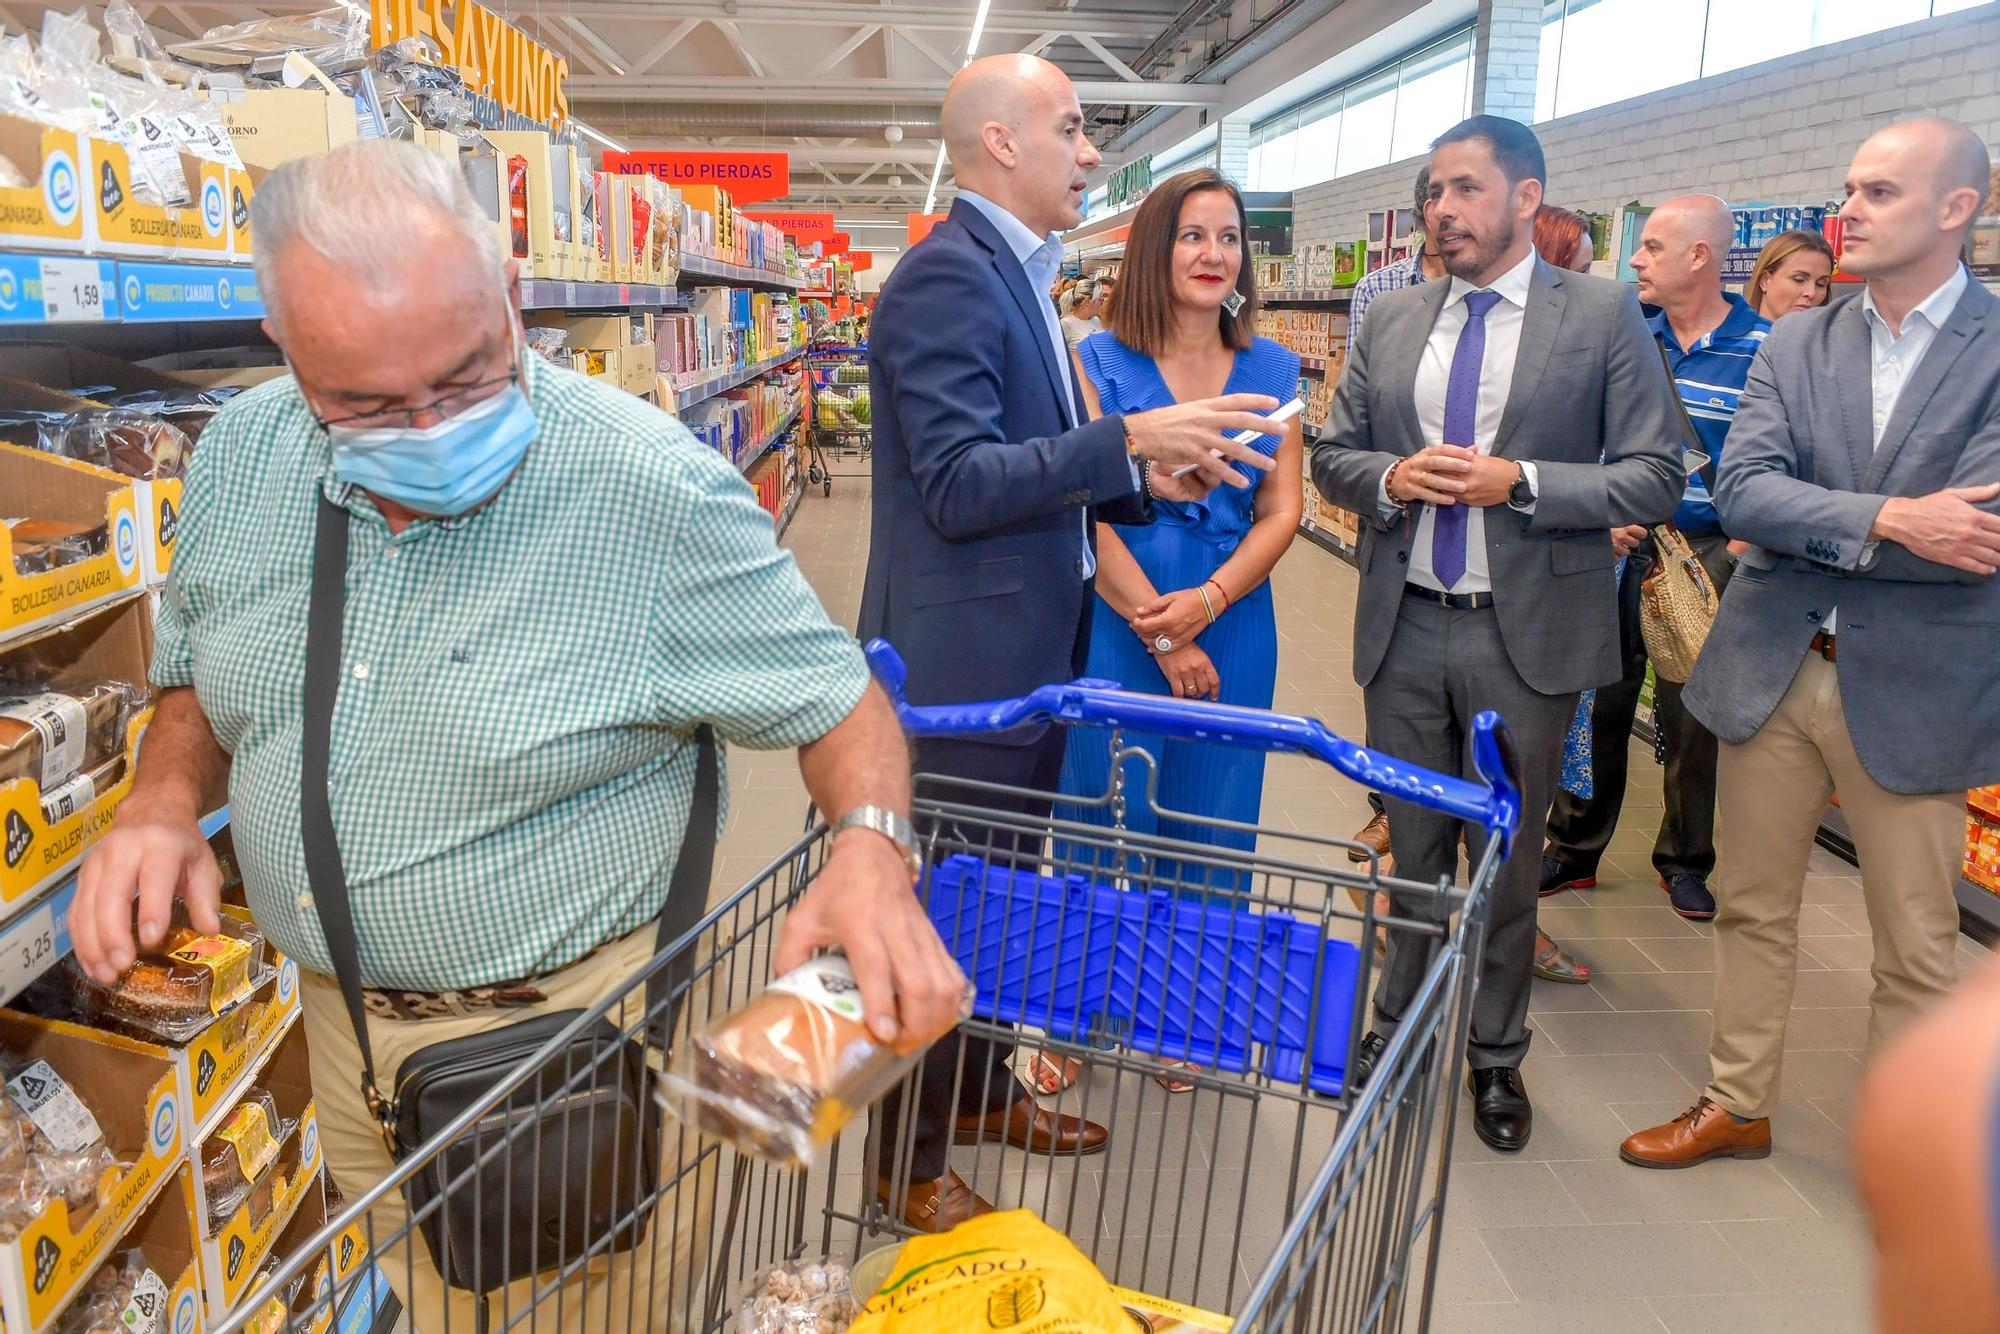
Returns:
(27, 950)
(76, 291)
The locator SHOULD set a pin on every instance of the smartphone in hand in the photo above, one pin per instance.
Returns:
(1277, 418)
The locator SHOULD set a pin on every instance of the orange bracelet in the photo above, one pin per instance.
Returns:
(1222, 592)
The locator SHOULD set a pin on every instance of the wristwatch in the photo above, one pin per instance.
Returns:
(896, 828)
(1521, 495)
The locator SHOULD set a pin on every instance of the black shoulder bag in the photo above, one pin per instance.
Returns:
(506, 1202)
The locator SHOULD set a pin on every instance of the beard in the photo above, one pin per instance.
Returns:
(1473, 260)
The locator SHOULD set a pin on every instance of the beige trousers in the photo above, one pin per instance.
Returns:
(1771, 792)
(653, 1286)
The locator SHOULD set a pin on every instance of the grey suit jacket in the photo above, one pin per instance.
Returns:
(1802, 480)
(1589, 403)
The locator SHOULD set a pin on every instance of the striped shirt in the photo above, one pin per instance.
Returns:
(510, 773)
(1405, 272)
(1710, 376)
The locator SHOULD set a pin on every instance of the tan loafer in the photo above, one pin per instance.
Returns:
(934, 1206)
(1704, 1131)
(1374, 836)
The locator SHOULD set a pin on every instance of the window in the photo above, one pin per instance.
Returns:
(1389, 113)
(1599, 51)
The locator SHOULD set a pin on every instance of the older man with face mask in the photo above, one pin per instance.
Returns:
(544, 594)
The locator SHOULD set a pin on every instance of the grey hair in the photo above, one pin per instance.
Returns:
(357, 205)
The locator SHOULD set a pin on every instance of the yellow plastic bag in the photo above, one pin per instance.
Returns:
(1004, 1271)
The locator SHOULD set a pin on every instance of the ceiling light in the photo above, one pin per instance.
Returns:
(895, 182)
(601, 137)
(893, 133)
(978, 26)
(937, 170)
(971, 49)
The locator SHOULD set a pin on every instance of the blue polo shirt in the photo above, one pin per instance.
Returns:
(1710, 376)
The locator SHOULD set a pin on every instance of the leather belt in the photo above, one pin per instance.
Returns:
(1455, 601)
(1822, 644)
(385, 1003)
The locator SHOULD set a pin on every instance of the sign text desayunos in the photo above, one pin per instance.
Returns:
(496, 59)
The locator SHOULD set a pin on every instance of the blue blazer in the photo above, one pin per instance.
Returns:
(975, 566)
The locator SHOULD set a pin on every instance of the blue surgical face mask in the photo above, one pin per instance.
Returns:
(446, 469)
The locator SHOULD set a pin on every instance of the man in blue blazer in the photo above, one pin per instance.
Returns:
(988, 482)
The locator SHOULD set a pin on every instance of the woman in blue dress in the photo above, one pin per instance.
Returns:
(1184, 604)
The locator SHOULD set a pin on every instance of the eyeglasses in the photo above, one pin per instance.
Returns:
(450, 405)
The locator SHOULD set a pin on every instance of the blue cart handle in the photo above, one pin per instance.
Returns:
(1494, 804)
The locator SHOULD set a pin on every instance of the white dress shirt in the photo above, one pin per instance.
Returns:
(1496, 378)
(1041, 258)
(1894, 359)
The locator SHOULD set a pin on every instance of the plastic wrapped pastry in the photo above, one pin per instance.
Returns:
(172, 995)
(804, 1298)
(242, 1149)
(52, 1149)
(123, 1296)
(781, 1076)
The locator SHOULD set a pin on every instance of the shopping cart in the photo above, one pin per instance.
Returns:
(841, 407)
(1274, 1191)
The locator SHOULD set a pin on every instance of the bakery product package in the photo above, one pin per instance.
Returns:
(779, 1077)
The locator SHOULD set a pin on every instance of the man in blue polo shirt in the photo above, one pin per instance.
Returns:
(1709, 337)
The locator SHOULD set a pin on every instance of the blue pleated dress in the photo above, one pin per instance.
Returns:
(1185, 545)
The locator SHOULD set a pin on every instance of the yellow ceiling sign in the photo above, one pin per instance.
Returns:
(496, 59)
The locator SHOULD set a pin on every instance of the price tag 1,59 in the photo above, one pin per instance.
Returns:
(74, 291)
(27, 950)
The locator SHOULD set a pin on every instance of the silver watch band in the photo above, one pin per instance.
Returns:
(891, 825)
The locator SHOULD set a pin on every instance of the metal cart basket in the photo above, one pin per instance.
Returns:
(1274, 1191)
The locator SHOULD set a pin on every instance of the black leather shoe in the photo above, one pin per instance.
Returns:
(1501, 1114)
(1365, 1057)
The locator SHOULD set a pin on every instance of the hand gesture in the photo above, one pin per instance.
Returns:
(1947, 527)
(1626, 540)
(1198, 433)
(1433, 476)
(1190, 673)
(1177, 617)
(154, 858)
(862, 901)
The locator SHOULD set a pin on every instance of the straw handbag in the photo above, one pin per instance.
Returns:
(1677, 603)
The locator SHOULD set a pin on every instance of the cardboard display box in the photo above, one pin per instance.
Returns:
(135, 1097)
(39, 486)
(122, 224)
(49, 213)
(271, 126)
(311, 1309)
(40, 844)
(230, 1258)
(164, 1236)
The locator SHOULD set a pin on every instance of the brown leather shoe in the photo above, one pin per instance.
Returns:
(934, 1206)
(1036, 1129)
(1374, 836)
(1704, 1131)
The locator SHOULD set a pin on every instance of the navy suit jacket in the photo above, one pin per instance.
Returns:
(975, 564)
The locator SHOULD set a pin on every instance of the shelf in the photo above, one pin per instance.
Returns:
(700, 266)
(1311, 364)
(1305, 296)
(791, 510)
(1978, 912)
(1320, 537)
(722, 381)
(38, 936)
(76, 289)
(557, 294)
(777, 434)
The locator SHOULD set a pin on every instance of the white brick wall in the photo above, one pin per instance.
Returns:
(1783, 131)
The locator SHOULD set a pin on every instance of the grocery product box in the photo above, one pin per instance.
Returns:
(636, 373)
(310, 1309)
(130, 1100)
(48, 213)
(232, 1249)
(271, 126)
(44, 833)
(123, 224)
(39, 486)
(163, 1239)
(532, 176)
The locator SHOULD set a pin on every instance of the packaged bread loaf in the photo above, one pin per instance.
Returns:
(50, 736)
(41, 545)
(781, 1076)
(241, 1151)
(137, 444)
(124, 1296)
(180, 990)
(52, 1150)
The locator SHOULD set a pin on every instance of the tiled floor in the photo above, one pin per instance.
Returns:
(1562, 1237)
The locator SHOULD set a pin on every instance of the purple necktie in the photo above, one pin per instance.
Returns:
(1461, 418)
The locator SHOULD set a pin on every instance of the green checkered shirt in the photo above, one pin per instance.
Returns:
(511, 754)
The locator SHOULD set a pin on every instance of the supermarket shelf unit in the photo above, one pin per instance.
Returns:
(765, 445)
(699, 388)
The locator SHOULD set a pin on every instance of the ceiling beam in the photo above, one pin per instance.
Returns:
(734, 36)
(846, 48)
(1111, 62)
(659, 50)
(563, 43)
(930, 52)
(872, 92)
(601, 48)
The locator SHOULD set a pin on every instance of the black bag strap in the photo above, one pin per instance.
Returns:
(1693, 437)
(687, 893)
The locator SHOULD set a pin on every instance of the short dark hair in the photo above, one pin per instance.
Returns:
(1142, 311)
(1513, 145)
(1423, 193)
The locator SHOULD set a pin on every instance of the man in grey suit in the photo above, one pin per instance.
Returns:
(1494, 428)
(1855, 649)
